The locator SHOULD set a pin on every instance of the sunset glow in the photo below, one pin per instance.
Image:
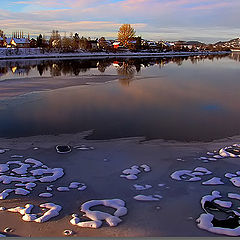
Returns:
(204, 20)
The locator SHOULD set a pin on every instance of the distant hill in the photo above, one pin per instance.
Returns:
(195, 43)
(233, 43)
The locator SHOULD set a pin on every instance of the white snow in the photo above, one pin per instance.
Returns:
(177, 175)
(2, 151)
(56, 174)
(146, 168)
(205, 222)
(53, 211)
(34, 161)
(63, 189)
(202, 169)
(97, 217)
(230, 175)
(5, 193)
(82, 188)
(225, 204)
(147, 197)
(213, 196)
(235, 181)
(142, 187)
(45, 195)
(22, 169)
(224, 153)
(21, 191)
(234, 196)
(190, 176)
(74, 185)
(4, 168)
(213, 181)
(49, 189)
(30, 185)
(16, 156)
(27, 216)
(132, 172)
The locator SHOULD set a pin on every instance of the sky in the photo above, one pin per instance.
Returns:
(203, 20)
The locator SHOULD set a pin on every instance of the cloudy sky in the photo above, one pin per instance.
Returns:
(204, 20)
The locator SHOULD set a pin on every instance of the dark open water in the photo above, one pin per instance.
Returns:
(187, 99)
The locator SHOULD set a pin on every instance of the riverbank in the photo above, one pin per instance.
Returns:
(9, 54)
(99, 165)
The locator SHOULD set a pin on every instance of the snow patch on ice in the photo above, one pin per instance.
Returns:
(142, 187)
(147, 197)
(97, 217)
(213, 181)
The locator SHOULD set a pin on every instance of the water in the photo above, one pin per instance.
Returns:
(186, 99)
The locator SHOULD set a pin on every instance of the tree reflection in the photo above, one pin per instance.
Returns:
(126, 72)
(125, 68)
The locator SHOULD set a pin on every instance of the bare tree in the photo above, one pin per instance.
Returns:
(126, 34)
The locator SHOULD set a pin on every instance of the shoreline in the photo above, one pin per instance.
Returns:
(110, 55)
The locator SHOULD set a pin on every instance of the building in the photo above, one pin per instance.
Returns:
(94, 44)
(1, 42)
(116, 45)
(17, 42)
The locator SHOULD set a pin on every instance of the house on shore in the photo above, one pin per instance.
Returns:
(1, 41)
(17, 43)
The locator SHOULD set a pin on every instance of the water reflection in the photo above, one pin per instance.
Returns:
(125, 68)
(174, 98)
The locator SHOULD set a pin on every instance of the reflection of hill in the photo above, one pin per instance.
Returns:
(235, 56)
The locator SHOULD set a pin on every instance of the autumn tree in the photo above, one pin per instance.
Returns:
(76, 41)
(67, 43)
(55, 39)
(126, 34)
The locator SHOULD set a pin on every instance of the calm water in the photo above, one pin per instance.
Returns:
(188, 99)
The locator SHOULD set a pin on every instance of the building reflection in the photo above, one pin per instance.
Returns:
(126, 69)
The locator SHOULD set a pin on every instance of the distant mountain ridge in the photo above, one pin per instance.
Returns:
(233, 43)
